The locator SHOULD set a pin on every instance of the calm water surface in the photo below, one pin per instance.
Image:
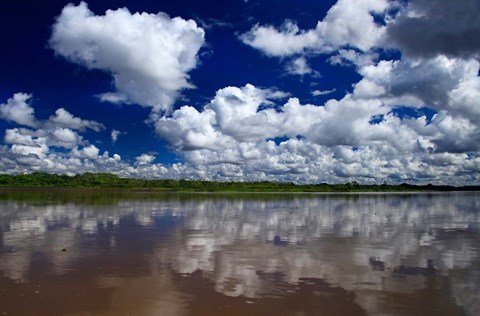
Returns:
(107, 253)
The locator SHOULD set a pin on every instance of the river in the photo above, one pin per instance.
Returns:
(119, 253)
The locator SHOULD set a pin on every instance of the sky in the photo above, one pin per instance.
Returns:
(371, 91)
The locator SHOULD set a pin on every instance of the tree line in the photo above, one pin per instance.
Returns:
(112, 181)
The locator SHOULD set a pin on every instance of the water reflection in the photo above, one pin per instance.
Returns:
(192, 254)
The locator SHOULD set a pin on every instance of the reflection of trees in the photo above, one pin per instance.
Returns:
(236, 243)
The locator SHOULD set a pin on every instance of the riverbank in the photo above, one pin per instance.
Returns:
(107, 181)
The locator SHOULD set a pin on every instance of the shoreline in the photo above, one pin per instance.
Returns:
(110, 182)
(172, 191)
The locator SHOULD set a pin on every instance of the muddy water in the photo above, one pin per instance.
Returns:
(107, 253)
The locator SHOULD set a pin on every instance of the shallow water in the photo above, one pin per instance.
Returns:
(111, 253)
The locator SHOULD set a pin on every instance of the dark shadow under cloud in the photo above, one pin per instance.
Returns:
(429, 28)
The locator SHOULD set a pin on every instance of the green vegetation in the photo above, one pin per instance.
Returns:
(111, 181)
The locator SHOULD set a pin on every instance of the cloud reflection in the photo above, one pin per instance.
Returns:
(236, 243)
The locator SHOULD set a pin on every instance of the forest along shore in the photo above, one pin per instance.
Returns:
(112, 181)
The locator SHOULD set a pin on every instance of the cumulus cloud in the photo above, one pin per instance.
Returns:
(63, 118)
(56, 145)
(443, 84)
(60, 130)
(361, 136)
(114, 134)
(348, 23)
(347, 57)
(17, 110)
(459, 134)
(440, 83)
(24, 142)
(237, 137)
(299, 66)
(465, 96)
(297, 145)
(36, 147)
(148, 55)
(231, 110)
(88, 152)
(430, 28)
(252, 133)
(287, 41)
(29, 151)
(19, 136)
(63, 137)
(144, 159)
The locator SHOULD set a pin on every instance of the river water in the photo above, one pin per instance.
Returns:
(113, 253)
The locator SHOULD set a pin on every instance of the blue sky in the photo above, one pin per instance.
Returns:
(302, 91)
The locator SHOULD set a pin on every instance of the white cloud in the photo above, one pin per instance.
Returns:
(144, 159)
(232, 138)
(115, 134)
(37, 149)
(24, 142)
(347, 57)
(88, 152)
(63, 118)
(148, 55)
(440, 83)
(287, 41)
(458, 134)
(236, 108)
(349, 23)
(63, 137)
(231, 111)
(299, 66)
(18, 110)
(24, 150)
(251, 133)
(464, 98)
(113, 97)
(19, 136)
(188, 129)
(317, 93)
